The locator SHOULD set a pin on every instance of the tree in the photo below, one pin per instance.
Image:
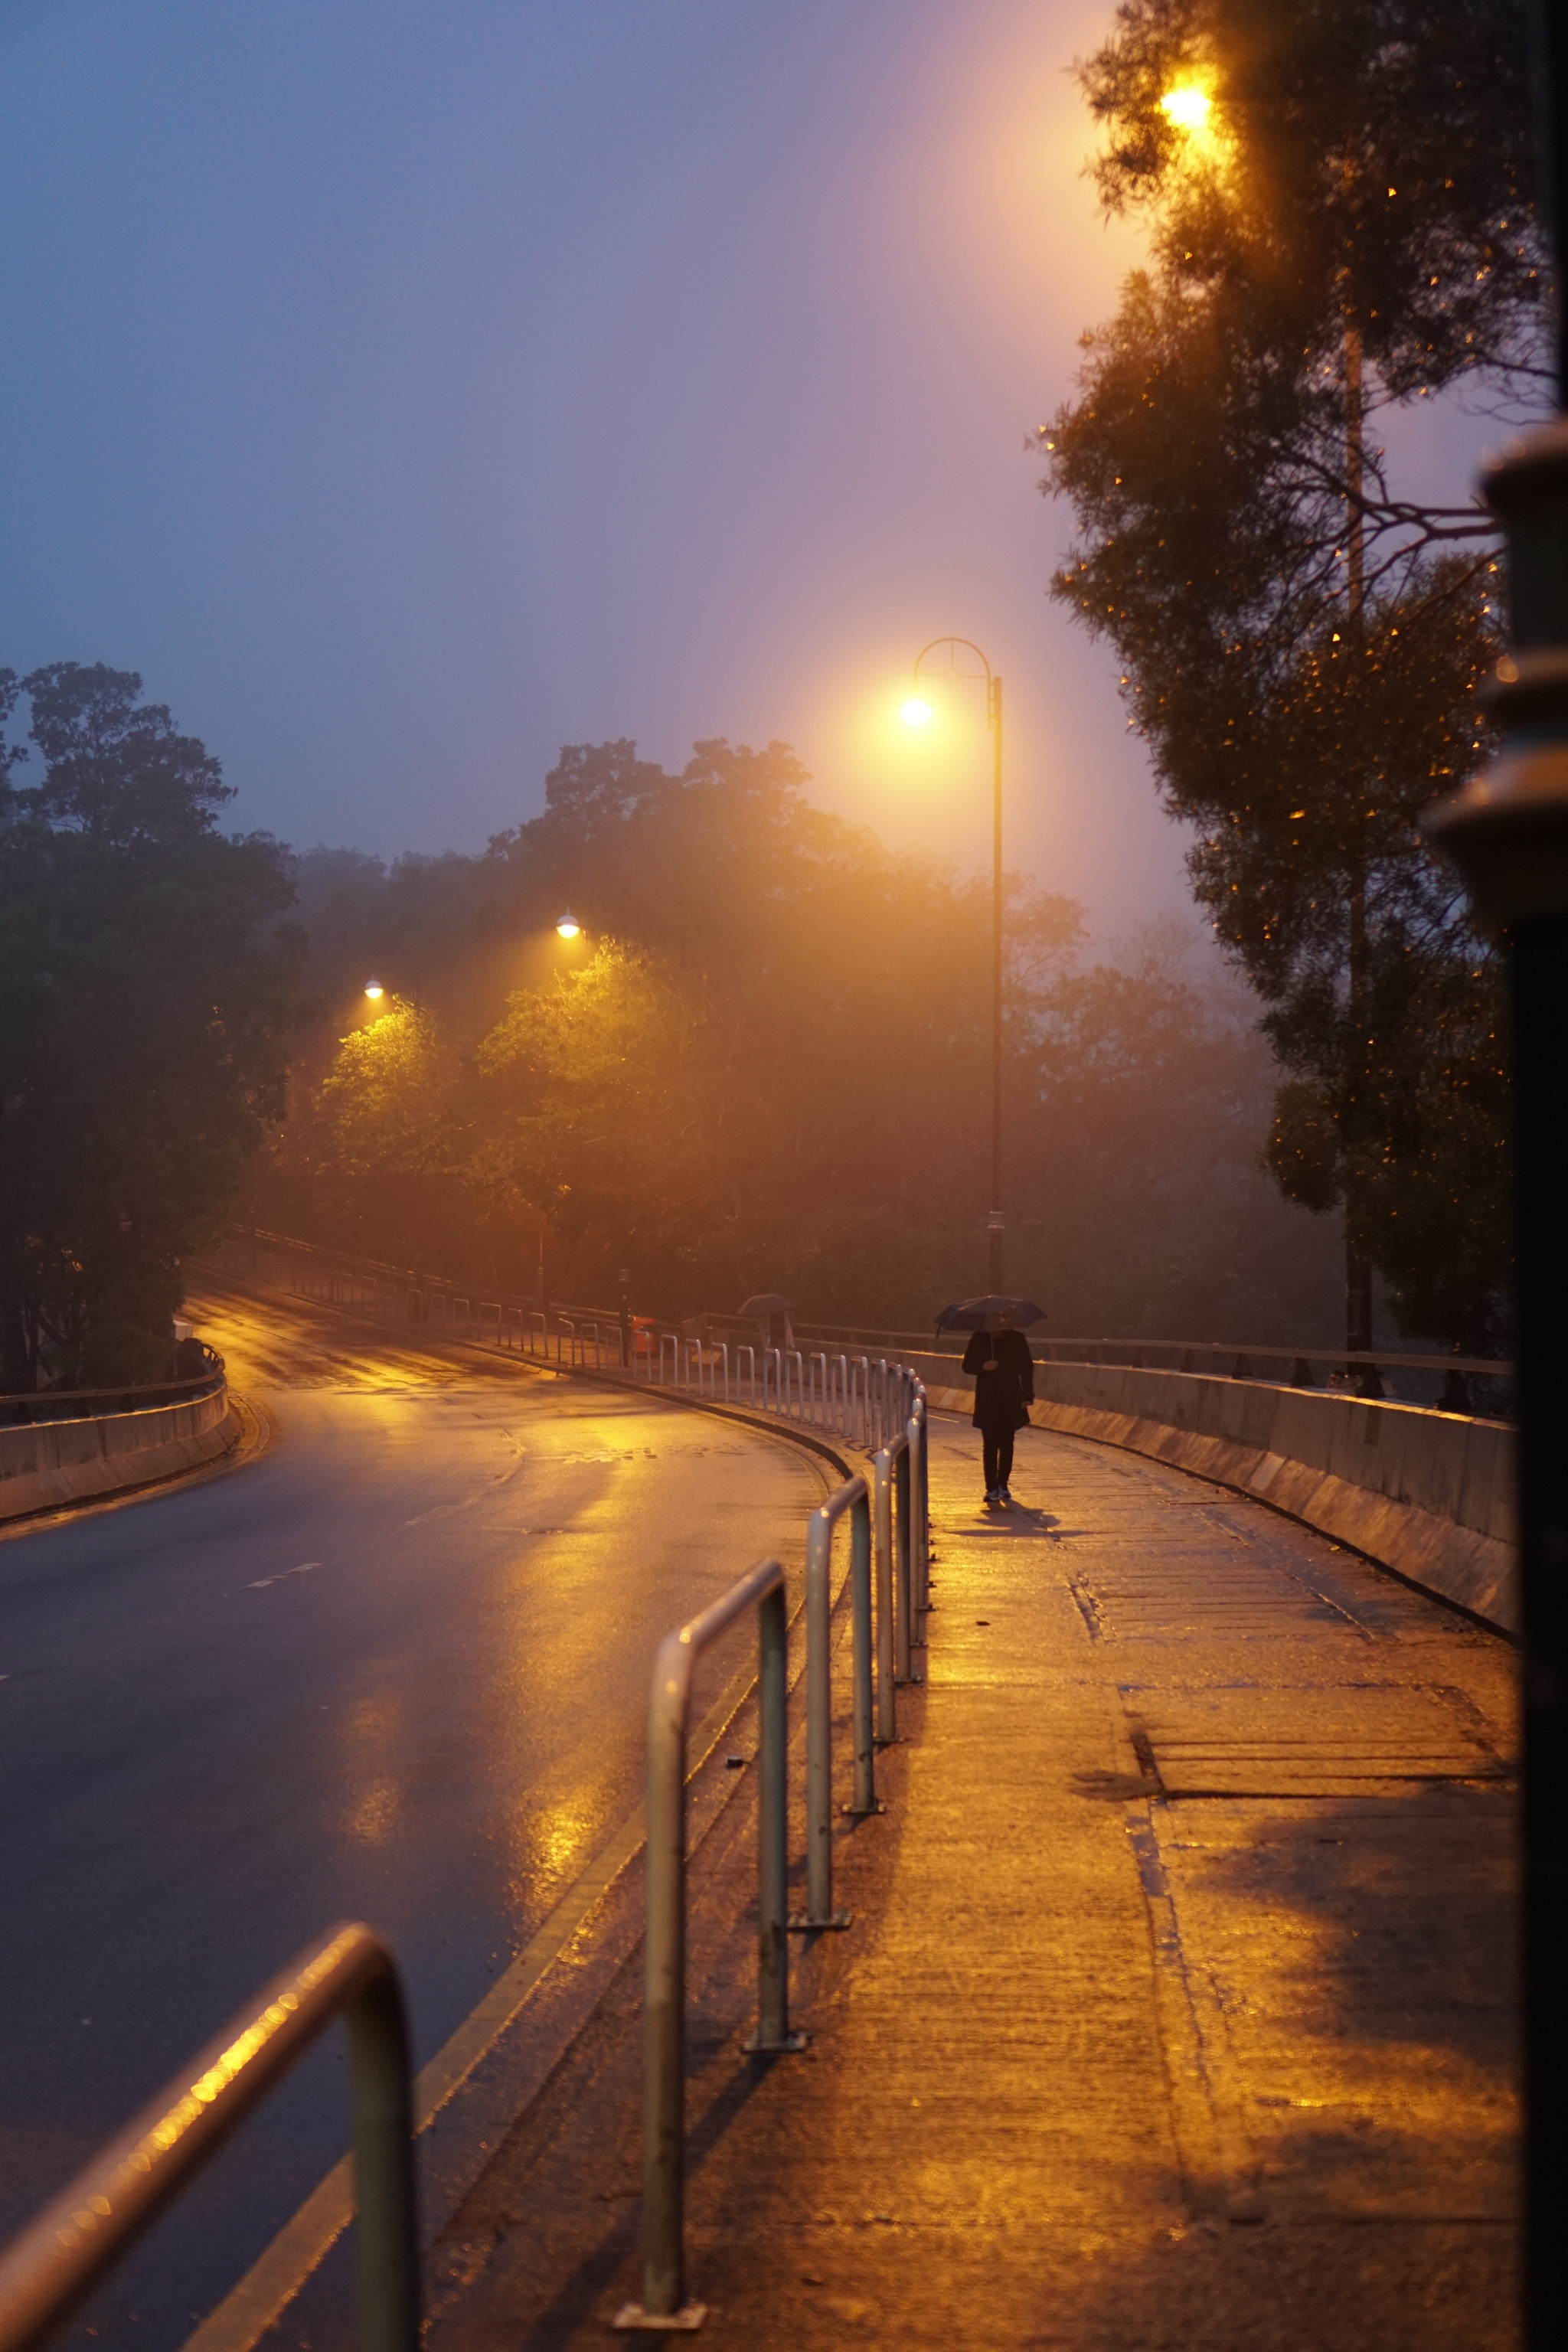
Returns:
(600, 1122)
(146, 992)
(1340, 220)
(766, 1065)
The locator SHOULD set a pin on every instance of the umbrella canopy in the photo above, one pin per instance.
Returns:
(989, 1314)
(766, 1302)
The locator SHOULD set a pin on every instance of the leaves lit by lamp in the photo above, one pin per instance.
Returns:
(374, 990)
(568, 925)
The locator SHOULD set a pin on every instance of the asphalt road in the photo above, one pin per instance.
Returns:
(396, 1668)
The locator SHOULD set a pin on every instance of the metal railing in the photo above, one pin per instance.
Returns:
(854, 1498)
(56, 2261)
(855, 1397)
(899, 1494)
(664, 2302)
(31, 1405)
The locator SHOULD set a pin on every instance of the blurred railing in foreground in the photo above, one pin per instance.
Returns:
(53, 2263)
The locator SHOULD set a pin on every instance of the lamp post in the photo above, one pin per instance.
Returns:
(1508, 833)
(917, 713)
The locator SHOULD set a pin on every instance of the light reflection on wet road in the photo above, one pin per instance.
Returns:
(395, 1669)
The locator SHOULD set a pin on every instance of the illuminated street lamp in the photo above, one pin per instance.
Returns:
(568, 925)
(917, 712)
(1186, 106)
(374, 991)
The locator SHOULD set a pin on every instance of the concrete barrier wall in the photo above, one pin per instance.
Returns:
(47, 1464)
(1430, 1494)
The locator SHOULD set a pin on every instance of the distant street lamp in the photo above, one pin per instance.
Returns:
(568, 925)
(917, 712)
(374, 990)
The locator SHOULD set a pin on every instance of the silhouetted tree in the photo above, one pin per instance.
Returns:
(146, 992)
(1345, 221)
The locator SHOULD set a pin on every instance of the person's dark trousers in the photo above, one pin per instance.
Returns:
(997, 1446)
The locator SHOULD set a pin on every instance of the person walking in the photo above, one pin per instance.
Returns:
(1004, 1373)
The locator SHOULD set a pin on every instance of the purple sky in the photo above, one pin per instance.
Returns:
(405, 391)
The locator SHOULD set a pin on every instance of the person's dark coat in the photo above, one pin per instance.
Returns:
(1004, 1373)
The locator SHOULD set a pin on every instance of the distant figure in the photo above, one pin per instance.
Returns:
(189, 1358)
(1004, 1373)
(779, 1333)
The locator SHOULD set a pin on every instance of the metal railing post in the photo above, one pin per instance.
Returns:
(851, 1497)
(861, 1668)
(882, 1534)
(772, 2033)
(53, 2263)
(663, 2299)
(919, 1441)
(902, 1486)
(386, 2255)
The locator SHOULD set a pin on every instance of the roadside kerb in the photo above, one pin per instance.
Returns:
(53, 2263)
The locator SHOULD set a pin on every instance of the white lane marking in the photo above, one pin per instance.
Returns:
(262, 1582)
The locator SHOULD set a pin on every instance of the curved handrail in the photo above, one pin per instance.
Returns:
(64, 2251)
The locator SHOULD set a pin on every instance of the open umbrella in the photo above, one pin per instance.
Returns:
(766, 1302)
(986, 1314)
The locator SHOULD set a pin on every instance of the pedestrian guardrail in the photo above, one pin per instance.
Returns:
(664, 2303)
(57, 2260)
(853, 1498)
(854, 1398)
(899, 1491)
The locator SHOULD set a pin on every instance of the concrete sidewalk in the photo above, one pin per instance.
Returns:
(1177, 2008)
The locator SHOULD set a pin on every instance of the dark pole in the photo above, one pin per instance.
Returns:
(994, 1226)
(1508, 832)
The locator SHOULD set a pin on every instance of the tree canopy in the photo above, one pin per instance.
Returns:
(146, 994)
(1340, 214)
(766, 1065)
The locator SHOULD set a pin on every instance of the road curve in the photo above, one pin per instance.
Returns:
(395, 1668)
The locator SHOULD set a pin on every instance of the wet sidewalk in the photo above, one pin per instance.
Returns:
(1176, 2007)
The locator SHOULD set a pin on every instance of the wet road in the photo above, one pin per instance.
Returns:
(396, 1668)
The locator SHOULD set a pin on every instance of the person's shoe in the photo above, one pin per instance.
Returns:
(993, 1494)
(1003, 1494)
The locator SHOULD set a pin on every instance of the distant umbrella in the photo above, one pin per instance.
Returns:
(766, 1302)
(986, 1314)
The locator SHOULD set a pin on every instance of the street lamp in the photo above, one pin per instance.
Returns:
(917, 713)
(374, 991)
(568, 925)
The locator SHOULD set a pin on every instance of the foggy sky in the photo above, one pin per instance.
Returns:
(407, 391)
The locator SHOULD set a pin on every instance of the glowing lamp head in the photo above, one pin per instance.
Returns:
(1186, 106)
(916, 713)
(568, 925)
(374, 991)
